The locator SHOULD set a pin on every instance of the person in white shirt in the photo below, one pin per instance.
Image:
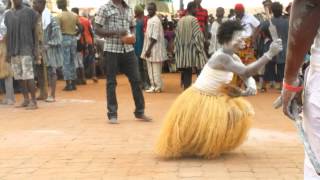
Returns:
(154, 50)
(214, 44)
(302, 36)
(249, 22)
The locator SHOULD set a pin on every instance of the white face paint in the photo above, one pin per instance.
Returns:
(237, 41)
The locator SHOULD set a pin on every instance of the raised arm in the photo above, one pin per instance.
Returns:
(234, 64)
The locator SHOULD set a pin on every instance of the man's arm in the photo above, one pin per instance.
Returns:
(304, 23)
(35, 31)
(303, 26)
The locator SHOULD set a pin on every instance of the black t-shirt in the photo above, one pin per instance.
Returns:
(21, 24)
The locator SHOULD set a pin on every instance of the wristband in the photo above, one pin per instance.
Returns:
(291, 88)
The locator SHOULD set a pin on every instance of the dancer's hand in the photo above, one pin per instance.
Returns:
(251, 87)
(249, 92)
(275, 48)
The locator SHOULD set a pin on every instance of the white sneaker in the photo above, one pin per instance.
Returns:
(150, 90)
(157, 90)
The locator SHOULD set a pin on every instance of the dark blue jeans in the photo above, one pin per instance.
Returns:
(128, 64)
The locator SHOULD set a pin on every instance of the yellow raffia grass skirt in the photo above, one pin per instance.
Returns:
(203, 125)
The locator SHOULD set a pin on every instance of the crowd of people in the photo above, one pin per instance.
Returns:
(67, 45)
(229, 55)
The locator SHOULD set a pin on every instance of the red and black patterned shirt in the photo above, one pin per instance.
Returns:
(202, 16)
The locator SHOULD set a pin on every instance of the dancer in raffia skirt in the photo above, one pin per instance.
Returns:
(206, 119)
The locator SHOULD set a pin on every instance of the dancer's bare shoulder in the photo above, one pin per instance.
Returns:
(220, 60)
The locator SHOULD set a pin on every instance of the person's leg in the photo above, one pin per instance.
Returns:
(311, 113)
(24, 91)
(41, 81)
(32, 89)
(147, 83)
(111, 60)
(157, 74)
(73, 52)
(28, 77)
(67, 74)
(280, 75)
(129, 65)
(80, 69)
(187, 77)
(90, 60)
(9, 98)
(17, 68)
(151, 77)
(52, 77)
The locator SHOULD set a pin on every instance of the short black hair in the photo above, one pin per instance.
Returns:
(226, 30)
(191, 5)
(276, 9)
(75, 10)
(152, 4)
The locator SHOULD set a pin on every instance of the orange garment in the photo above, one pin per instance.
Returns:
(86, 35)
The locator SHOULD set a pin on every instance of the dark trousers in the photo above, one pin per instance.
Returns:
(128, 64)
(274, 72)
(186, 77)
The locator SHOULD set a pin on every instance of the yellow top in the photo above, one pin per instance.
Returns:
(68, 22)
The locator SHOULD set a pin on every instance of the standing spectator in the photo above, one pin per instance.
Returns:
(214, 44)
(68, 23)
(202, 16)
(250, 24)
(276, 68)
(5, 69)
(52, 46)
(154, 50)
(114, 21)
(81, 48)
(302, 36)
(169, 35)
(231, 14)
(22, 49)
(189, 44)
(40, 71)
(210, 22)
(140, 21)
(89, 53)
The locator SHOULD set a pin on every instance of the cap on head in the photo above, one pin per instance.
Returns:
(239, 7)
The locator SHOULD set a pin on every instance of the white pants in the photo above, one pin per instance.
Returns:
(154, 72)
(311, 113)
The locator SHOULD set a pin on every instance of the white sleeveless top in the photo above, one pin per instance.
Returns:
(315, 53)
(210, 80)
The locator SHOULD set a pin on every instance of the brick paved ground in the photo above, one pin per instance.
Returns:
(70, 140)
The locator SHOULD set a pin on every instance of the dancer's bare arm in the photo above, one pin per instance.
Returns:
(233, 63)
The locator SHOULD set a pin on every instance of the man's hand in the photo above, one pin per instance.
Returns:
(148, 53)
(292, 103)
